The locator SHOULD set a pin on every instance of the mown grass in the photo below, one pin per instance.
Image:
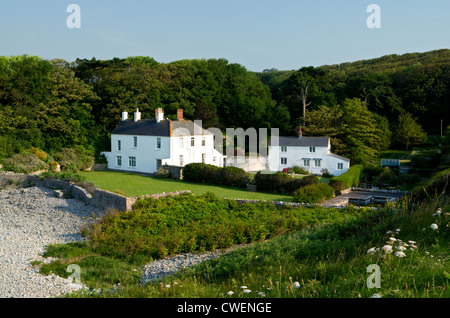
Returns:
(327, 260)
(133, 185)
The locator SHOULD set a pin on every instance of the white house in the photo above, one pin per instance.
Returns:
(144, 145)
(311, 153)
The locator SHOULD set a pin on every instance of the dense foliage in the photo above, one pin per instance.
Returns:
(187, 223)
(314, 193)
(364, 106)
(281, 182)
(227, 176)
(350, 178)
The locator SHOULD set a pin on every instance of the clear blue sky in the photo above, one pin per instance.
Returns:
(259, 34)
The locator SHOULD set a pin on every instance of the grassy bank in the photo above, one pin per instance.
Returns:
(327, 256)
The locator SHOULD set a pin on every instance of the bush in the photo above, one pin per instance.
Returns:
(234, 177)
(74, 159)
(337, 185)
(39, 153)
(351, 176)
(314, 193)
(228, 176)
(162, 173)
(24, 163)
(298, 170)
(280, 182)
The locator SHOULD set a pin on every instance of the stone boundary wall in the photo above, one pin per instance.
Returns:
(102, 199)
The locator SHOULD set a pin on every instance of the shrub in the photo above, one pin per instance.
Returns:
(337, 185)
(280, 182)
(24, 163)
(74, 159)
(162, 173)
(314, 193)
(39, 153)
(351, 176)
(233, 176)
(298, 170)
(229, 176)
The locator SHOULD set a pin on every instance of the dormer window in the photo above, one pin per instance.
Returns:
(312, 149)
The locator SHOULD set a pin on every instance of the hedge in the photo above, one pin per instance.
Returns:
(350, 177)
(280, 182)
(313, 193)
(228, 176)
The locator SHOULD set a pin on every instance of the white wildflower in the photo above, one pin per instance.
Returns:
(261, 294)
(412, 242)
(371, 251)
(167, 286)
(230, 293)
(296, 285)
(243, 287)
(397, 230)
(400, 254)
(375, 296)
(388, 232)
(400, 248)
(392, 239)
(246, 291)
(434, 226)
(387, 249)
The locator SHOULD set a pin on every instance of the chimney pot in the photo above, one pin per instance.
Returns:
(137, 115)
(180, 114)
(159, 114)
(124, 115)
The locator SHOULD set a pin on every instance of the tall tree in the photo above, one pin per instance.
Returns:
(409, 131)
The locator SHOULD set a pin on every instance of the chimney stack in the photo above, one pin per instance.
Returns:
(300, 134)
(180, 114)
(124, 115)
(159, 114)
(137, 115)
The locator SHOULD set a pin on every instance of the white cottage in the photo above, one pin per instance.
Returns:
(145, 145)
(311, 153)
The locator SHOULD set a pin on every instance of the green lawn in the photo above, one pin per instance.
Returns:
(133, 185)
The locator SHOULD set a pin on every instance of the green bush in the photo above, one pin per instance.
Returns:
(337, 185)
(228, 176)
(24, 163)
(280, 182)
(351, 176)
(74, 159)
(314, 193)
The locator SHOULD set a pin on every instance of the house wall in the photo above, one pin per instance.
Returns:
(147, 153)
(295, 155)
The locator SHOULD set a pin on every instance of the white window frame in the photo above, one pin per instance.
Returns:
(283, 161)
(132, 162)
(158, 143)
(317, 163)
(340, 166)
(203, 142)
(312, 149)
(192, 141)
(119, 145)
(134, 142)
(283, 148)
(306, 162)
(119, 161)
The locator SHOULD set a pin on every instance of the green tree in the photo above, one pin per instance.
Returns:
(408, 131)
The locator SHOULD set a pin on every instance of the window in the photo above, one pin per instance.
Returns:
(283, 149)
(317, 162)
(132, 161)
(312, 149)
(135, 142)
(203, 158)
(192, 141)
(203, 142)
(158, 163)
(181, 160)
(158, 143)
(119, 161)
(340, 166)
(306, 162)
(119, 145)
(283, 161)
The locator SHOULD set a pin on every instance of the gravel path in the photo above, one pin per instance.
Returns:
(30, 219)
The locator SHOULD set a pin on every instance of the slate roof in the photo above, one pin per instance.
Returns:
(165, 128)
(303, 142)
